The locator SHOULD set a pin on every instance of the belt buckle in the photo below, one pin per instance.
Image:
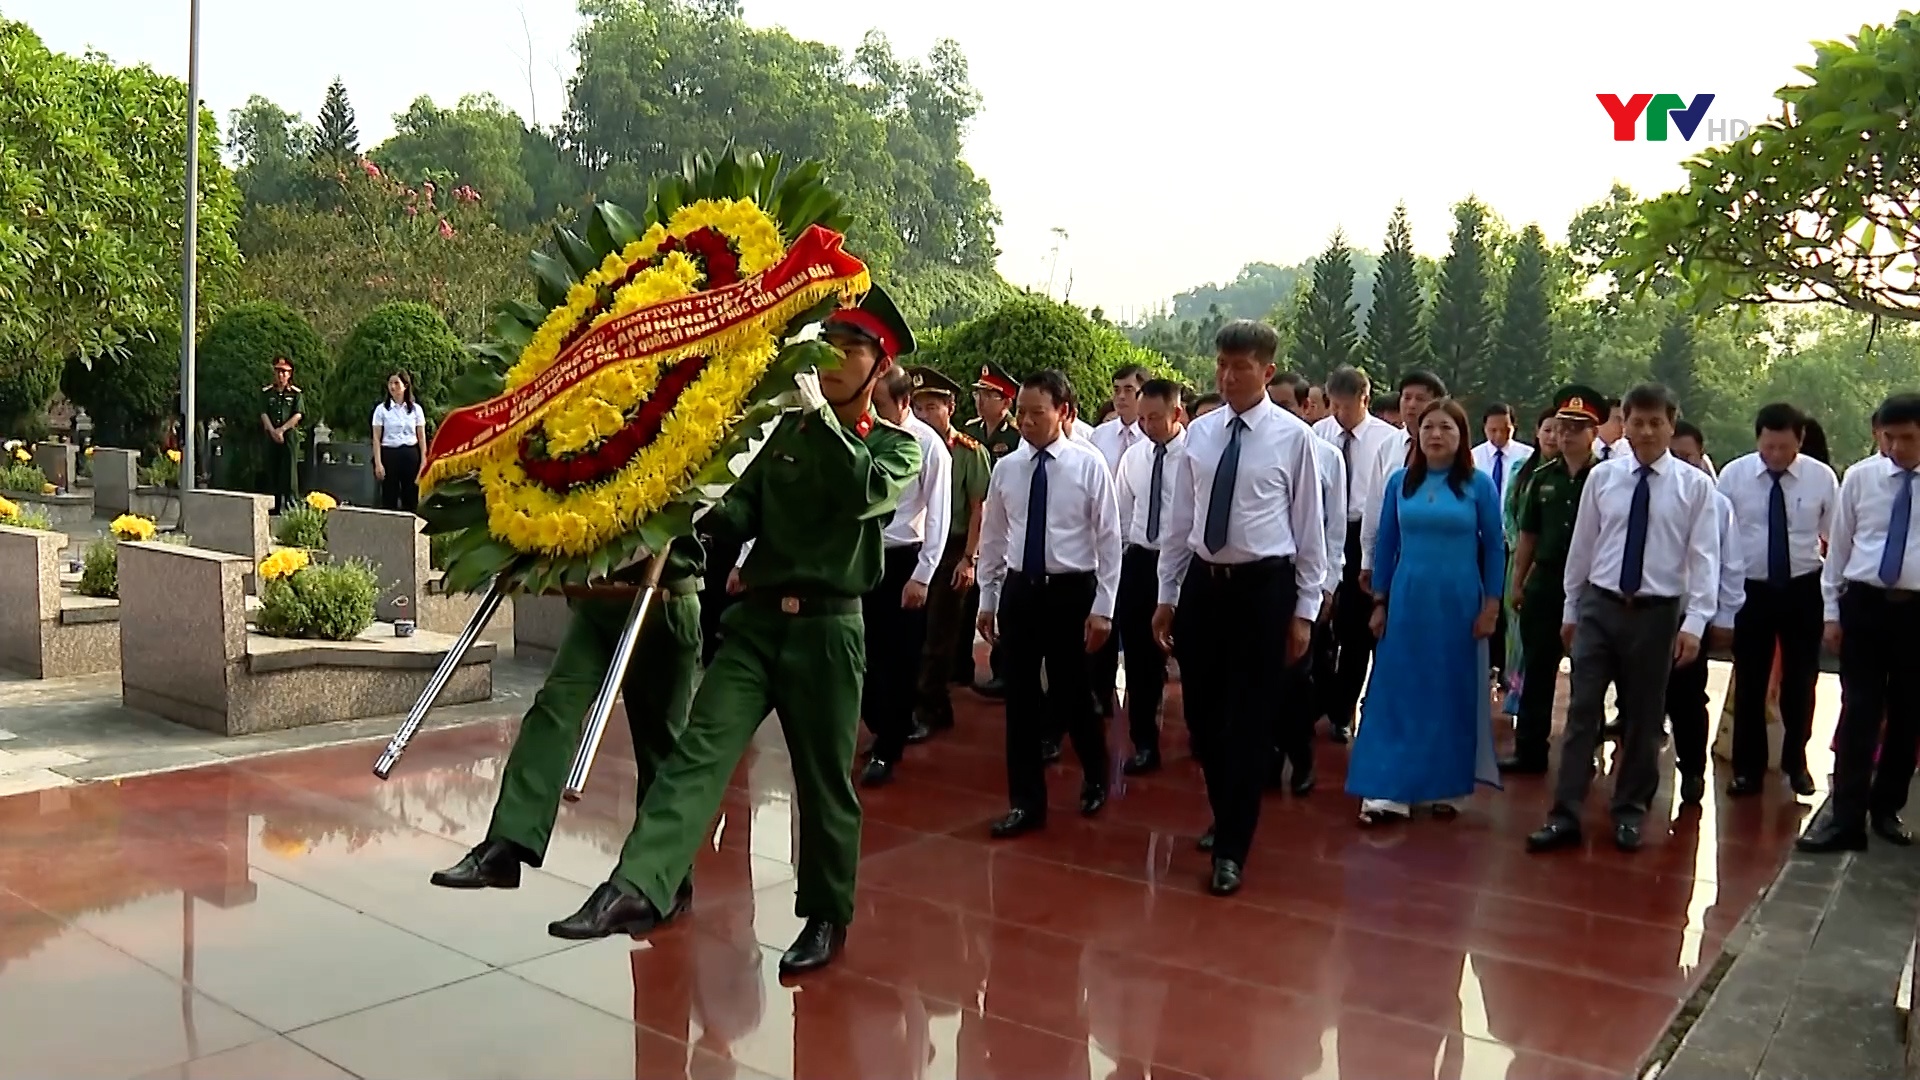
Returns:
(790, 605)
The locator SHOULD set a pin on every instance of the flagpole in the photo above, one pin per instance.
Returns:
(189, 293)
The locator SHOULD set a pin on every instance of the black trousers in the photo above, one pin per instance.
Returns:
(1687, 712)
(1541, 651)
(1322, 667)
(1230, 634)
(895, 636)
(1880, 638)
(1146, 664)
(714, 598)
(401, 488)
(1352, 610)
(1791, 617)
(949, 631)
(1297, 715)
(1044, 622)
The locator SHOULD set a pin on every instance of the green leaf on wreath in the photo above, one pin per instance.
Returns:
(615, 224)
(550, 278)
(445, 513)
(575, 250)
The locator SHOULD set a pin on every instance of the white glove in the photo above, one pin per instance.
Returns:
(807, 385)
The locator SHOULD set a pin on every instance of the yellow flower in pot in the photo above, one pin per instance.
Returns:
(320, 501)
(132, 527)
(283, 563)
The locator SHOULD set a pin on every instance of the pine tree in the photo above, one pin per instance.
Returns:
(1396, 342)
(336, 138)
(1673, 360)
(1461, 330)
(1325, 332)
(1521, 372)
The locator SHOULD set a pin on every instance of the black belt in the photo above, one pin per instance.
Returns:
(800, 604)
(623, 590)
(1891, 596)
(1272, 564)
(1137, 549)
(1065, 577)
(1794, 580)
(1636, 602)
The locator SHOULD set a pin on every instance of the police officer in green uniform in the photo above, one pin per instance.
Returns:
(815, 500)
(282, 408)
(993, 428)
(1546, 529)
(657, 691)
(934, 399)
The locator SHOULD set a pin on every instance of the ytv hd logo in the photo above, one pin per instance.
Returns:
(1660, 109)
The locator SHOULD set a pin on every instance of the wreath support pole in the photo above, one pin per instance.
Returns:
(482, 615)
(602, 711)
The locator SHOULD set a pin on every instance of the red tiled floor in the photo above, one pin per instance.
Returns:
(272, 919)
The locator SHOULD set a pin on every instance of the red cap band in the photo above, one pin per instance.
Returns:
(862, 321)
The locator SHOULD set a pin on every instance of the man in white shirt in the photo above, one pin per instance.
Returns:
(1301, 710)
(1641, 581)
(1122, 431)
(895, 612)
(1500, 457)
(1871, 595)
(1609, 441)
(1783, 504)
(1144, 485)
(1049, 575)
(1687, 686)
(1243, 569)
(1361, 438)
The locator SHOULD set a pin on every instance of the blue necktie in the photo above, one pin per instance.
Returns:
(1779, 562)
(1033, 559)
(1634, 563)
(1220, 502)
(1153, 498)
(1893, 557)
(1499, 471)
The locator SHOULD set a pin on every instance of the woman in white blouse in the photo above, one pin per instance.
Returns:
(399, 431)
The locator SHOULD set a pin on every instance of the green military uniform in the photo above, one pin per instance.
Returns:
(947, 622)
(283, 458)
(1547, 510)
(999, 442)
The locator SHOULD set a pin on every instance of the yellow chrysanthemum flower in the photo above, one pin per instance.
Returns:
(321, 501)
(8, 509)
(132, 527)
(173, 456)
(282, 564)
(21, 454)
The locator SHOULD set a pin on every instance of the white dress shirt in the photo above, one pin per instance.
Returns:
(1113, 439)
(1392, 458)
(1082, 431)
(1333, 508)
(1733, 566)
(1276, 509)
(1083, 521)
(400, 425)
(1133, 484)
(1682, 556)
(1512, 456)
(1859, 536)
(1361, 459)
(1811, 490)
(926, 504)
(1607, 451)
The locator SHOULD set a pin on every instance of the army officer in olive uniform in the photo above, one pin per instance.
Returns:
(993, 428)
(948, 628)
(1547, 508)
(282, 408)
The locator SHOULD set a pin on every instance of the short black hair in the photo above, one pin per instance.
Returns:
(1131, 371)
(1612, 403)
(1205, 400)
(1164, 389)
(1347, 381)
(1498, 408)
(898, 384)
(1687, 429)
(1053, 382)
(1900, 409)
(1248, 336)
(1814, 443)
(1650, 395)
(1293, 383)
(1425, 379)
(1780, 416)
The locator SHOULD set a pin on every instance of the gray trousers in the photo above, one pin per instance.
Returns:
(1628, 645)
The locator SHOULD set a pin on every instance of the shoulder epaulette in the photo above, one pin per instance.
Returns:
(295, 389)
(266, 388)
(967, 441)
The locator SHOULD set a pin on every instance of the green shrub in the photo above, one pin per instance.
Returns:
(437, 548)
(131, 394)
(394, 337)
(236, 360)
(27, 384)
(1031, 333)
(100, 569)
(20, 476)
(164, 472)
(303, 527)
(327, 601)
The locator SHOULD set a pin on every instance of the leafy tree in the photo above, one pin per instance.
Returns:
(132, 393)
(1396, 341)
(1521, 369)
(933, 296)
(1461, 327)
(1815, 206)
(1324, 334)
(336, 137)
(91, 191)
(394, 337)
(1672, 363)
(1031, 333)
(235, 360)
(479, 142)
(273, 150)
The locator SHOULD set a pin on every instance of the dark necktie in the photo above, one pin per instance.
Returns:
(1220, 502)
(1499, 471)
(1605, 451)
(1634, 563)
(1346, 455)
(1779, 562)
(1033, 560)
(1153, 497)
(1893, 557)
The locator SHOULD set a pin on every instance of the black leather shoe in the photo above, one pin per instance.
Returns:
(921, 732)
(1519, 765)
(992, 688)
(493, 864)
(1826, 838)
(1626, 837)
(1800, 781)
(878, 773)
(1017, 822)
(1226, 877)
(1092, 798)
(1050, 751)
(1692, 790)
(1341, 734)
(1742, 786)
(613, 910)
(1557, 833)
(1303, 781)
(1205, 843)
(1142, 763)
(819, 942)
(1891, 829)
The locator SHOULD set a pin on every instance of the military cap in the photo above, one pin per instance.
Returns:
(995, 378)
(928, 381)
(1582, 403)
(879, 321)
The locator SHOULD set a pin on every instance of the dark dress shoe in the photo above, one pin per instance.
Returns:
(1518, 765)
(1692, 790)
(1557, 833)
(992, 688)
(613, 910)
(1626, 837)
(1205, 843)
(1142, 763)
(493, 864)
(1226, 877)
(1050, 751)
(1800, 781)
(1018, 822)
(1891, 829)
(1742, 786)
(878, 773)
(819, 942)
(1303, 781)
(1826, 838)
(1092, 798)
(1341, 734)
(921, 732)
